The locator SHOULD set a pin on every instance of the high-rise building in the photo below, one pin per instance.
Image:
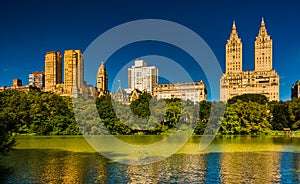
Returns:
(53, 70)
(193, 91)
(142, 77)
(102, 80)
(296, 90)
(263, 80)
(36, 79)
(73, 72)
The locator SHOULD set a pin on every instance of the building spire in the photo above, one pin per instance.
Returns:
(233, 27)
(262, 29)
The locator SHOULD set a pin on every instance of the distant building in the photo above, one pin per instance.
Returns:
(37, 79)
(102, 80)
(142, 77)
(16, 82)
(263, 80)
(121, 96)
(296, 90)
(16, 85)
(53, 70)
(193, 91)
(73, 72)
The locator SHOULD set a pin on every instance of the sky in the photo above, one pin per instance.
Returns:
(31, 28)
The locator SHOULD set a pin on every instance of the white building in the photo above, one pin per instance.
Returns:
(142, 77)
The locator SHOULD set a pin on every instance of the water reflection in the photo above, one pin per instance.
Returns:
(222, 166)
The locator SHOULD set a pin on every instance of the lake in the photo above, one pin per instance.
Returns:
(229, 159)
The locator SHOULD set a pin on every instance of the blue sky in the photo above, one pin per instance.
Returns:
(31, 28)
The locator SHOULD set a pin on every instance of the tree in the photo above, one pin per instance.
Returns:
(261, 99)
(280, 115)
(252, 116)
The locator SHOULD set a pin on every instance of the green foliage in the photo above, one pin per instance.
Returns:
(42, 113)
(37, 113)
(261, 99)
(140, 106)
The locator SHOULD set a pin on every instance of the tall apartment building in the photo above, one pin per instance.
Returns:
(296, 90)
(53, 70)
(193, 91)
(263, 80)
(37, 79)
(73, 72)
(102, 80)
(142, 77)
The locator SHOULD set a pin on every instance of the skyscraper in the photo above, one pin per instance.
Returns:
(73, 72)
(142, 77)
(102, 80)
(53, 70)
(263, 80)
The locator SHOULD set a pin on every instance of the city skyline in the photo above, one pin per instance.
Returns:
(33, 31)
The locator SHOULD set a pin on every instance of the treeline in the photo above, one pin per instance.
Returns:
(36, 112)
(42, 113)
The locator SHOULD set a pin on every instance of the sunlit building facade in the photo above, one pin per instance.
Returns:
(142, 77)
(73, 72)
(263, 80)
(53, 70)
(102, 80)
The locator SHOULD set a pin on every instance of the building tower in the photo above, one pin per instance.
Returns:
(53, 70)
(142, 77)
(73, 72)
(234, 52)
(263, 49)
(102, 80)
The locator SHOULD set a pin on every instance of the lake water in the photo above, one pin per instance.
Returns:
(229, 159)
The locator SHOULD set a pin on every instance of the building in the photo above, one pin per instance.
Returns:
(296, 90)
(263, 80)
(102, 80)
(37, 79)
(121, 96)
(193, 91)
(16, 82)
(73, 73)
(142, 77)
(53, 70)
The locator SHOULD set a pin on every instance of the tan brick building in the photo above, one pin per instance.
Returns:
(263, 80)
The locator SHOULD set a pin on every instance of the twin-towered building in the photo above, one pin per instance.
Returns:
(263, 80)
